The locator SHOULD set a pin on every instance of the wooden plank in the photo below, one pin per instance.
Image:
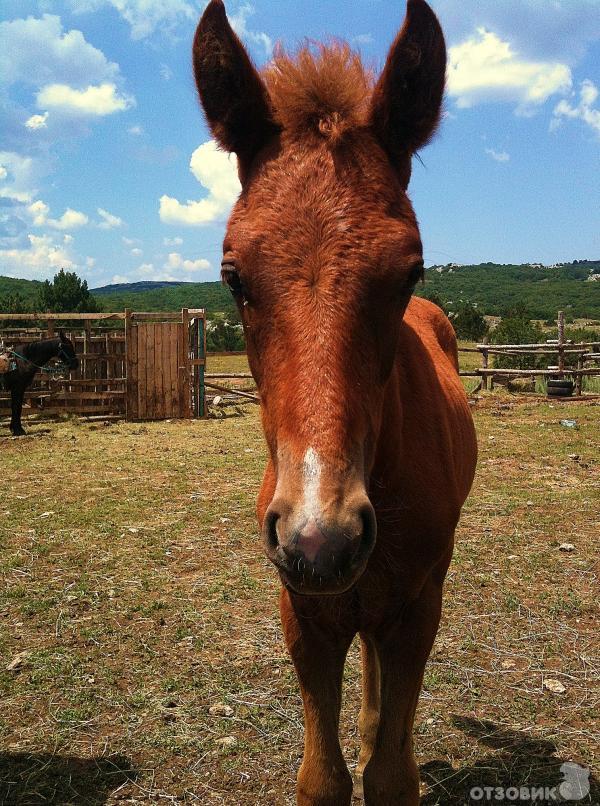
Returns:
(165, 403)
(186, 410)
(230, 391)
(159, 371)
(181, 370)
(49, 317)
(95, 382)
(141, 384)
(174, 369)
(110, 409)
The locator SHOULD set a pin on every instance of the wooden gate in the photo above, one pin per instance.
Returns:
(152, 369)
(165, 366)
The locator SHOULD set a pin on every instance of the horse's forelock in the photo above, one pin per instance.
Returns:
(322, 89)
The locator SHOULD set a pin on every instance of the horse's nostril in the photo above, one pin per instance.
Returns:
(270, 528)
(369, 525)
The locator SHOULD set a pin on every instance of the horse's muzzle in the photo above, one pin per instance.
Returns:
(318, 556)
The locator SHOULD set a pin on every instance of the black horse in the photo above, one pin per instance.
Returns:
(27, 360)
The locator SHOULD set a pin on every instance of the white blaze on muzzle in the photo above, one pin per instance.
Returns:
(311, 474)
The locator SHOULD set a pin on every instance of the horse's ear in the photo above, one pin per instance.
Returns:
(407, 99)
(234, 97)
(61, 335)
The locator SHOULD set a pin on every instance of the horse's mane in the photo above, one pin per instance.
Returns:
(321, 88)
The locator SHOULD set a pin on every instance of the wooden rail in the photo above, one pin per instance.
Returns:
(583, 351)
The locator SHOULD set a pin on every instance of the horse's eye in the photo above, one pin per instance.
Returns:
(230, 275)
(416, 273)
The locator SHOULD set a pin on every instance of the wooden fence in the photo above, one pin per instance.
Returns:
(587, 355)
(134, 365)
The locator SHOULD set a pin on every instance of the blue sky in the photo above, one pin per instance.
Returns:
(107, 167)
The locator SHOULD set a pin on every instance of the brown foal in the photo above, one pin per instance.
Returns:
(371, 442)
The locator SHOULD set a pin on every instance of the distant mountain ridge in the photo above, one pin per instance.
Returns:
(494, 288)
(135, 288)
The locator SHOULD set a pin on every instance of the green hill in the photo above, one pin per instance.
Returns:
(165, 297)
(542, 290)
(28, 289)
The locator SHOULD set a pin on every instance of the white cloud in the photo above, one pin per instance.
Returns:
(147, 271)
(584, 110)
(118, 279)
(38, 52)
(239, 24)
(39, 211)
(176, 261)
(21, 175)
(362, 39)
(499, 156)
(172, 241)
(40, 260)
(109, 221)
(90, 262)
(37, 121)
(486, 68)
(143, 16)
(165, 72)
(130, 241)
(94, 101)
(217, 172)
(547, 29)
(70, 219)
(137, 252)
(135, 130)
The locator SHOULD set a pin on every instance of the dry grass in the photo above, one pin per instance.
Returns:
(133, 579)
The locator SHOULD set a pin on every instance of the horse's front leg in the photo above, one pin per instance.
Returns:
(318, 653)
(391, 777)
(16, 404)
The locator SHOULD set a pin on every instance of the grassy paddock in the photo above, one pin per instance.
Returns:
(135, 598)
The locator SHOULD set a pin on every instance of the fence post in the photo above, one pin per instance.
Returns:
(484, 355)
(579, 377)
(561, 342)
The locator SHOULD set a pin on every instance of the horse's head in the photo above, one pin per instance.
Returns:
(66, 351)
(321, 254)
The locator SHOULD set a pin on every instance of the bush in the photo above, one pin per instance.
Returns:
(469, 324)
(581, 334)
(519, 330)
(434, 297)
(224, 334)
(12, 303)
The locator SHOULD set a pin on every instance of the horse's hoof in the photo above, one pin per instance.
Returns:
(20, 433)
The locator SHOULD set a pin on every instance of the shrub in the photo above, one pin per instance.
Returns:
(519, 330)
(469, 324)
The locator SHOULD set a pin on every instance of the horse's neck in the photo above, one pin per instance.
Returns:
(42, 351)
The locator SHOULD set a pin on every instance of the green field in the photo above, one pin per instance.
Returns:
(135, 598)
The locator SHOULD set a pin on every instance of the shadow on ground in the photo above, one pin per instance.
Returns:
(40, 778)
(519, 760)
